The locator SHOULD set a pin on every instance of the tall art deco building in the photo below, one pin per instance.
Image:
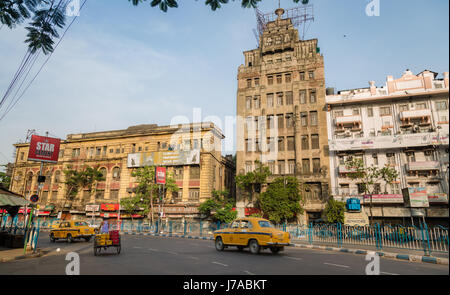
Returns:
(281, 113)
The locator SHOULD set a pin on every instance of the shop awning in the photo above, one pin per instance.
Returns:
(10, 199)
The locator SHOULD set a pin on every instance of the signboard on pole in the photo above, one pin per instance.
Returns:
(44, 149)
(160, 175)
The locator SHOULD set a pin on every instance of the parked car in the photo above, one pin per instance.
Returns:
(71, 230)
(254, 233)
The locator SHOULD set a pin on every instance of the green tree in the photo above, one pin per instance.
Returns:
(334, 211)
(369, 178)
(281, 201)
(130, 205)
(76, 180)
(252, 182)
(5, 180)
(219, 207)
(147, 190)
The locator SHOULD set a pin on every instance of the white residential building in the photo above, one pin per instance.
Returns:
(404, 124)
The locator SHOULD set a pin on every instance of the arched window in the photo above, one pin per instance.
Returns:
(48, 177)
(116, 173)
(29, 177)
(104, 172)
(57, 176)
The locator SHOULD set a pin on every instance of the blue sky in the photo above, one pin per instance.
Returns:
(121, 65)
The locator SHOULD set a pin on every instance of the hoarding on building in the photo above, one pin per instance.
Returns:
(165, 158)
(415, 197)
(44, 149)
(438, 198)
(388, 198)
(92, 208)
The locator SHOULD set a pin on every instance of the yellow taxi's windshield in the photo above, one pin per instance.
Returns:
(265, 223)
(80, 223)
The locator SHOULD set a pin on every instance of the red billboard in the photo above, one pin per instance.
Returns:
(44, 149)
(160, 175)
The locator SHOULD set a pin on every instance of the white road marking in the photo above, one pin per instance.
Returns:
(338, 265)
(135, 247)
(249, 273)
(151, 249)
(219, 263)
(294, 258)
(388, 273)
(172, 253)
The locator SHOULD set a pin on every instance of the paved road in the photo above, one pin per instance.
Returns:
(178, 256)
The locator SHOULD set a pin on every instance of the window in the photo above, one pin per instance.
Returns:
(344, 189)
(194, 195)
(289, 120)
(302, 96)
(194, 172)
(114, 194)
(312, 96)
(441, 105)
(421, 106)
(271, 144)
(75, 153)
(291, 166)
(57, 176)
(280, 98)
(99, 151)
(270, 100)
(384, 111)
(287, 78)
(100, 194)
(235, 224)
(316, 165)
(302, 76)
(22, 154)
(178, 173)
(305, 166)
(355, 112)
(256, 81)
(61, 153)
(290, 143)
(315, 142)
(103, 172)
(281, 144)
(248, 145)
(257, 102)
(111, 151)
(271, 165)
(375, 159)
(140, 149)
(279, 79)
(305, 142)
(177, 196)
(369, 112)
(377, 188)
(289, 98)
(249, 83)
(248, 102)
(270, 80)
(116, 173)
(304, 119)
(395, 188)
(313, 118)
(390, 157)
(361, 188)
(338, 114)
(403, 107)
(270, 121)
(246, 224)
(281, 166)
(280, 121)
(411, 157)
(311, 75)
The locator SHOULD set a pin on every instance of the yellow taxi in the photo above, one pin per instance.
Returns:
(255, 233)
(55, 224)
(71, 230)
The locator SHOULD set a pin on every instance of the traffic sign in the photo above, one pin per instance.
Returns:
(34, 198)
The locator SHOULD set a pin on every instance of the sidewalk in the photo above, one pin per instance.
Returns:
(7, 254)
(396, 253)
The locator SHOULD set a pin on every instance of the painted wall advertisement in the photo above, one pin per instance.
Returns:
(165, 158)
(44, 149)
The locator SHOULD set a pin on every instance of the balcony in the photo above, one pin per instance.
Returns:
(344, 169)
(347, 120)
(415, 114)
(422, 166)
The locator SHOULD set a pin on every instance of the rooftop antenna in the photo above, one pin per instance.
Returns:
(301, 16)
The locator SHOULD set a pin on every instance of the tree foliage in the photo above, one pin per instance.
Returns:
(219, 207)
(334, 211)
(5, 180)
(251, 182)
(281, 201)
(130, 205)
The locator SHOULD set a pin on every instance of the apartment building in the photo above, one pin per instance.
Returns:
(191, 153)
(404, 124)
(281, 113)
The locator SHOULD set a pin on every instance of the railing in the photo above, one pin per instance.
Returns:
(418, 238)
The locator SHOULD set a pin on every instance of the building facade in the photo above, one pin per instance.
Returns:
(191, 153)
(281, 113)
(405, 125)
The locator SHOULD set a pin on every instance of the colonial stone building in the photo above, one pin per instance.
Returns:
(281, 113)
(191, 153)
(405, 125)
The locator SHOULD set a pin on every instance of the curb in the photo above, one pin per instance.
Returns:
(20, 257)
(403, 257)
